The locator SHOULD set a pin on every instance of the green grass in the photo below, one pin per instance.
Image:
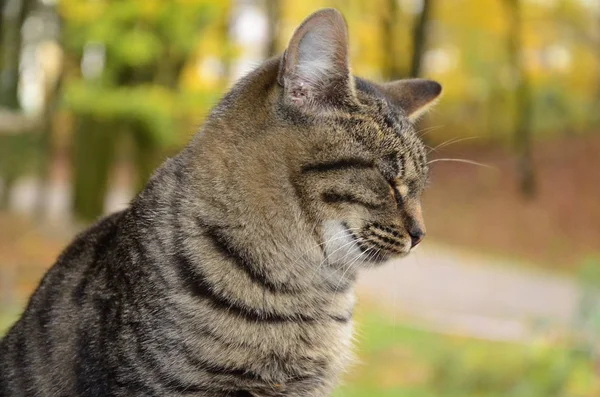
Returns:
(397, 360)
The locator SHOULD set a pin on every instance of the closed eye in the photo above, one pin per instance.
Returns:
(332, 197)
(398, 196)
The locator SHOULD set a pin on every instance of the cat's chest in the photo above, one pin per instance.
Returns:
(283, 356)
(297, 367)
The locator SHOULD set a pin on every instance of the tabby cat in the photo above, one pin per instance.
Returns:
(232, 272)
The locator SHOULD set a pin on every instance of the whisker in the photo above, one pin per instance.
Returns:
(452, 142)
(464, 161)
(349, 266)
(327, 257)
(425, 131)
(301, 256)
(443, 143)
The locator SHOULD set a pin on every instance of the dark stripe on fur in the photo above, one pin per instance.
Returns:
(45, 317)
(22, 367)
(395, 233)
(342, 164)
(382, 245)
(197, 284)
(210, 367)
(384, 238)
(93, 373)
(164, 379)
(148, 351)
(241, 259)
(336, 198)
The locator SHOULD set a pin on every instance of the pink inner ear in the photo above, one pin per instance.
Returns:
(298, 93)
(316, 56)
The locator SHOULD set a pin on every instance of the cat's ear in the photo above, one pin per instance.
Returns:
(414, 96)
(314, 67)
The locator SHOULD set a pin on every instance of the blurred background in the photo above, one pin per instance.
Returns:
(500, 300)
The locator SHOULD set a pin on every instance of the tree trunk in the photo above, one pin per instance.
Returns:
(391, 68)
(11, 53)
(2, 25)
(7, 187)
(523, 103)
(273, 8)
(93, 155)
(53, 85)
(13, 16)
(46, 148)
(14, 13)
(420, 39)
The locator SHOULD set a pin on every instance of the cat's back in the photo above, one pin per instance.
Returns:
(38, 351)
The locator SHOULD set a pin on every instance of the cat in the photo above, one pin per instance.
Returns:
(232, 272)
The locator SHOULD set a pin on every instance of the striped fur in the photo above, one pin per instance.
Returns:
(232, 272)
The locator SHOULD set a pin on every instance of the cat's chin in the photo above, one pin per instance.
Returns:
(382, 260)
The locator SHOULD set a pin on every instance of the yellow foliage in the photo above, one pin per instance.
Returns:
(81, 11)
(150, 9)
(466, 45)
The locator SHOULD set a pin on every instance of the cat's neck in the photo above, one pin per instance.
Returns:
(273, 244)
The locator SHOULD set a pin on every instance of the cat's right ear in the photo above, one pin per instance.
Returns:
(314, 68)
(414, 96)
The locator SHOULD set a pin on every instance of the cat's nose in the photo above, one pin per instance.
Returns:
(416, 236)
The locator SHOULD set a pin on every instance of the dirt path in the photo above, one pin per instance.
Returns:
(476, 296)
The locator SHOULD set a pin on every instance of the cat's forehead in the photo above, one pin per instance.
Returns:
(402, 153)
(382, 132)
(385, 136)
(389, 121)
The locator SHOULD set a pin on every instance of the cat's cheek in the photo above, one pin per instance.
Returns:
(340, 246)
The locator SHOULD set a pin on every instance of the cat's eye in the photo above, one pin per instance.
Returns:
(399, 191)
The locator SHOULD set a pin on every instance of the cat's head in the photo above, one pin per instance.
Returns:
(366, 168)
(302, 141)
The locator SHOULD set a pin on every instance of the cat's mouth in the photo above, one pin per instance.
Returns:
(380, 243)
(365, 246)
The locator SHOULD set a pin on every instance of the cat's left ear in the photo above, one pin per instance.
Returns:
(314, 68)
(414, 96)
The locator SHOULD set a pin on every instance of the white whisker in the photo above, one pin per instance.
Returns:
(348, 266)
(452, 142)
(321, 245)
(427, 130)
(327, 256)
(463, 161)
